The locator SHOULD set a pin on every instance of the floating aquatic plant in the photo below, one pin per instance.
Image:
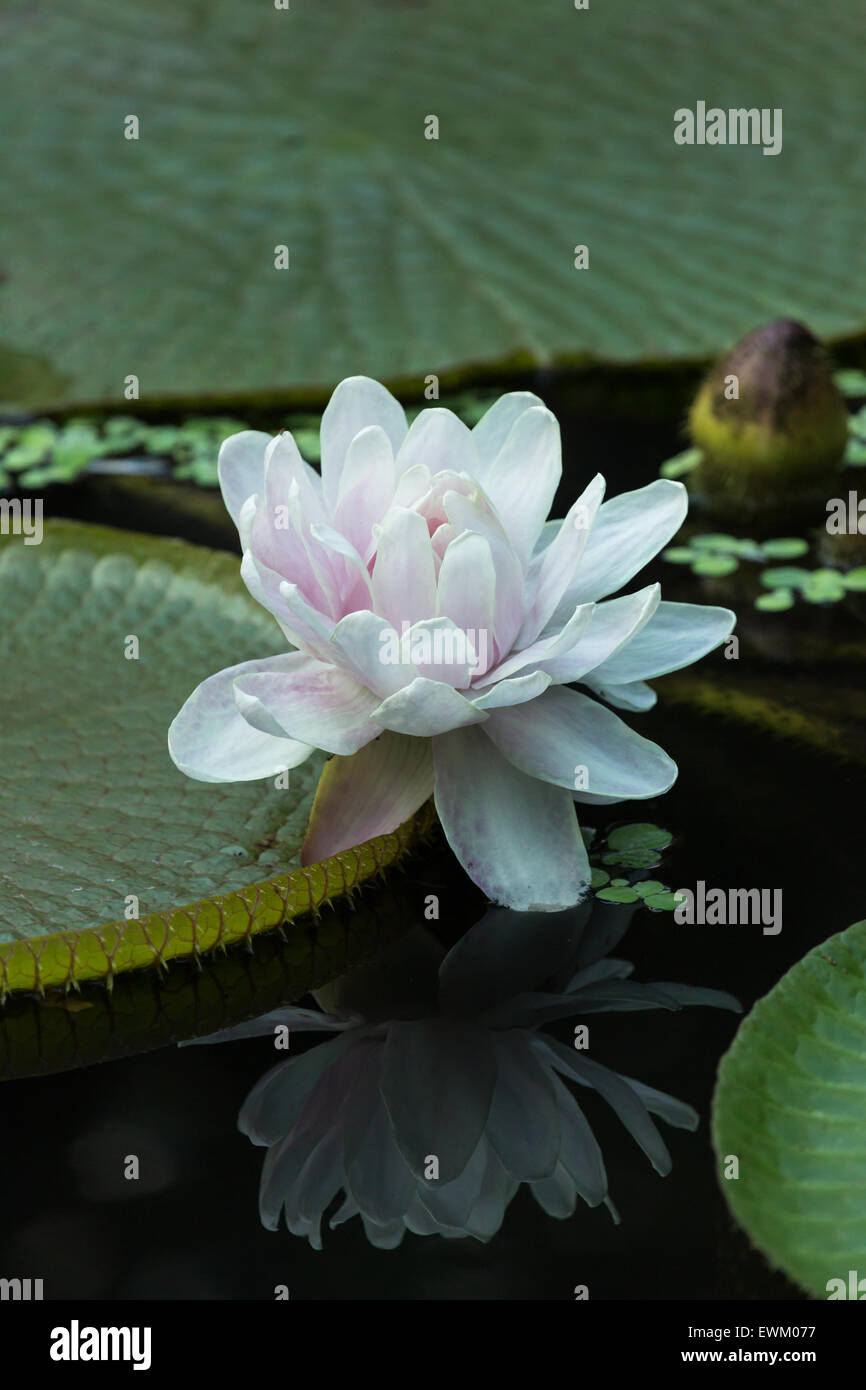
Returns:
(437, 621)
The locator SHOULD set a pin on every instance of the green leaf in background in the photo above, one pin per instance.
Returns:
(92, 810)
(680, 464)
(778, 601)
(785, 548)
(790, 1105)
(855, 579)
(823, 586)
(641, 835)
(784, 577)
(305, 128)
(851, 381)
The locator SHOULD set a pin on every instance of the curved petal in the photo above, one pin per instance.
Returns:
(370, 793)
(241, 468)
(466, 588)
(366, 486)
(356, 403)
(628, 531)
(523, 478)
(495, 425)
(572, 741)
(368, 646)
(516, 837)
(476, 514)
(516, 691)
(323, 704)
(555, 567)
(425, 708)
(438, 440)
(635, 696)
(404, 575)
(676, 635)
(612, 625)
(210, 741)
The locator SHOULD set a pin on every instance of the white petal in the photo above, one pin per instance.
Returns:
(676, 635)
(572, 741)
(466, 589)
(554, 568)
(404, 575)
(438, 440)
(371, 793)
(241, 468)
(635, 696)
(496, 424)
(516, 691)
(524, 476)
(516, 837)
(425, 708)
(366, 486)
(628, 531)
(210, 741)
(368, 646)
(323, 704)
(357, 402)
(612, 625)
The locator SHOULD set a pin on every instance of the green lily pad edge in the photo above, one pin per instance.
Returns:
(790, 1108)
(66, 959)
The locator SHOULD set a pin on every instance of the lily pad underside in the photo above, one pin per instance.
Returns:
(167, 152)
(96, 823)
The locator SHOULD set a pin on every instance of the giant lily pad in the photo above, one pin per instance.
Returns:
(304, 127)
(790, 1106)
(96, 823)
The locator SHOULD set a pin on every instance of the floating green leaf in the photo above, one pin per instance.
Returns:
(681, 555)
(95, 820)
(776, 602)
(680, 464)
(641, 835)
(790, 1106)
(785, 548)
(715, 566)
(784, 577)
(408, 254)
(823, 586)
(855, 579)
(662, 902)
(618, 895)
(851, 381)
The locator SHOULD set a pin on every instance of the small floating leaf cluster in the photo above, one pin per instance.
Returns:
(636, 848)
(43, 452)
(719, 555)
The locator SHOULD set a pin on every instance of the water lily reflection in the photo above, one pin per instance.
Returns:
(439, 1093)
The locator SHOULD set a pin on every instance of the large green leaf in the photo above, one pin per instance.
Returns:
(304, 127)
(92, 810)
(790, 1105)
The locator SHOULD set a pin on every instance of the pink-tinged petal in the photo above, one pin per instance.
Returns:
(438, 439)
(613, 624)
(545, 650)
(442, 651)
(241, 468)
(628, 532)
(675, 635)
(324, 705)
(211, 742)
(572, 741)
(516, 837)
(425, 708)
(404, 575)
(356, 403)
(466, 591)
(412, 485)
(517, 691)
(442, 538)
(371, 649)
(304, 625)
(366, 487)
(496, 424)
(476, 514)
(524, 476)
(280, 540)
(286, 474)
(371, 793)
(635, 695)
(553, 570)
(353, 580)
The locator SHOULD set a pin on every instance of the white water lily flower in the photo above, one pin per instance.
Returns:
(438, 620)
